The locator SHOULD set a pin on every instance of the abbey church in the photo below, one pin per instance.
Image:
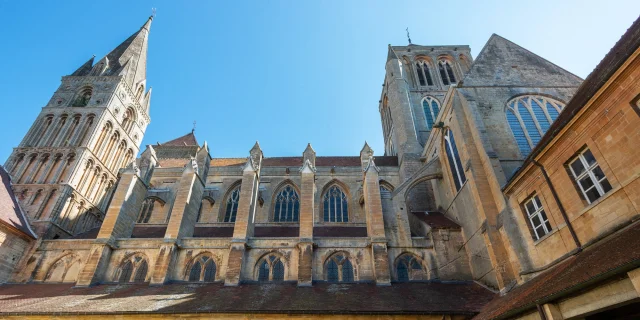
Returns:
(508, 188)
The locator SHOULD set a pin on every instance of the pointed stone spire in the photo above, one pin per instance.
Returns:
(365, 154)
(255, 158)
(129, 59)
(309, 155)
(146, 102)
(85, 68)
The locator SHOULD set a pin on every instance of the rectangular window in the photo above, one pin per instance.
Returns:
(537, 217)
(589, 176)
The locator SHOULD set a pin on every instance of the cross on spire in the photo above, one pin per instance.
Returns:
(408, 37)
(194, 127)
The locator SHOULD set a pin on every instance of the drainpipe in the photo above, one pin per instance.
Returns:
(560, 206)
(543, 316)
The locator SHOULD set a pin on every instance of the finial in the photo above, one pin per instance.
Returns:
(153, 12)
(194, 127)
(408, 37)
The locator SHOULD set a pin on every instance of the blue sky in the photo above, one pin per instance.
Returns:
(281, 72)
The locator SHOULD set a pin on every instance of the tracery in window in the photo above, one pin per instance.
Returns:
(335, 205)
(231, 207)
(133, 269)
(446, 72)
(203, 269)
(453, 156)
(270, 268)
(537, 217)
(424, 75)
(431, 109)
(339, 268)
(147, 209)
(287, 205)
(409, 268)
(529, 117)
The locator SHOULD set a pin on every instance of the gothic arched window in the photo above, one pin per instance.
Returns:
(335, 205)
(339, 268)
(408, 268)
(231, 208)
(203, 269)
(147, 209)
(133, 269)
(529, 117)
(454, 160)
(431, 109)
(270, 268)
(446, 72)
(424, 75)
(128, 119)
(287, 205)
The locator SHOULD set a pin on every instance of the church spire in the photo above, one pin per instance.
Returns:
(129, 59)
(85, 68)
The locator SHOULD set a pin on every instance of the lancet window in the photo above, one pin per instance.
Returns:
(287, 205)
(431, 109)
(335, 205)
(424, 74)
(231, 208)
(453, 156)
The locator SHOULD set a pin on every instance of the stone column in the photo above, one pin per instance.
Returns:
(375, 220)
(181, 222)
(244, 216)
(307, 196)
(118, 223)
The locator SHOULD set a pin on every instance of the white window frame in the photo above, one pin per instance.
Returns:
(538, 212)
(597, 184)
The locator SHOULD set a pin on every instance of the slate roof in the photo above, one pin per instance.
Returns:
(616, 254)
(436, 220)
(617, 56)
(464, 298)
(11, 214)
(504, 63)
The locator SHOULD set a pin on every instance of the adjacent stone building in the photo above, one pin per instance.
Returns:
(497, 172)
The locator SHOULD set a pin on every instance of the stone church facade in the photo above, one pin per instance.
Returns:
(496, 172)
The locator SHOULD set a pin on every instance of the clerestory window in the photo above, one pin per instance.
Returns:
(335, 205)
(231, 208)
(287, 205)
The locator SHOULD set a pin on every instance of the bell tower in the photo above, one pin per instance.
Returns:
(66, 166)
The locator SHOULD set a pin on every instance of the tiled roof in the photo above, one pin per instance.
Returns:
(213, 232)
(188, 139)
(228, 162)
(616, 254)
(436, 220)
(463, 298)
(10, 213)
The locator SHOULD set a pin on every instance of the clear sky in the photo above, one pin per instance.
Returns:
(281, 72)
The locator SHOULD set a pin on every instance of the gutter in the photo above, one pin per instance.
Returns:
(560, 206)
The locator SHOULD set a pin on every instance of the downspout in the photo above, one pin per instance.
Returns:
(560, 206)
(543, 316)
